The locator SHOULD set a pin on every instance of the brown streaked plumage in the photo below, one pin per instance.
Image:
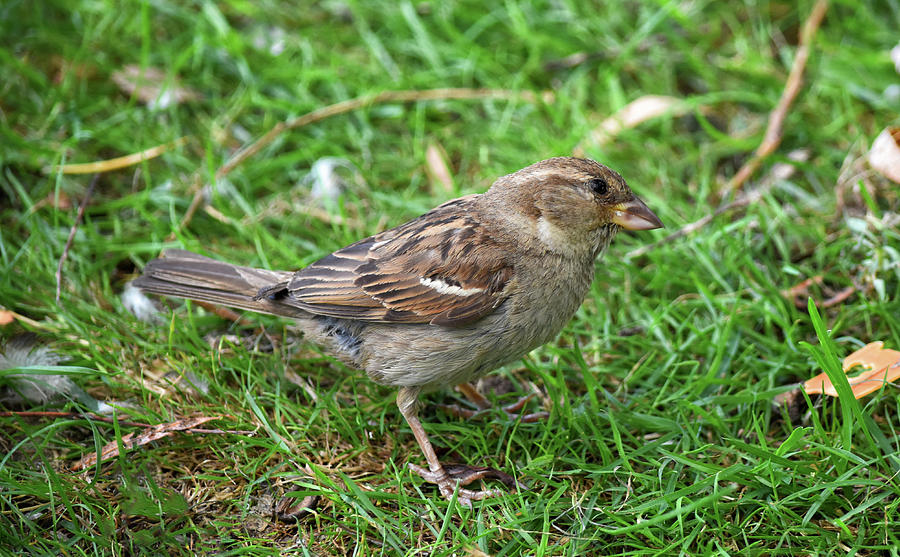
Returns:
(396, 276)
(447, 297)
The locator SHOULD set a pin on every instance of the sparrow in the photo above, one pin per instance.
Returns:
(472, 285)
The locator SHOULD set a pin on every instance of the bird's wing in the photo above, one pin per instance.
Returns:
(441, 268)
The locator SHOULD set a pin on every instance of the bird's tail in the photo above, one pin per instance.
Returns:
(183, 274)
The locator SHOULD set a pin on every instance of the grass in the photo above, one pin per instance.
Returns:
(663, 436)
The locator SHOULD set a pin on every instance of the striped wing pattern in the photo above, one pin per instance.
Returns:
(441, 268)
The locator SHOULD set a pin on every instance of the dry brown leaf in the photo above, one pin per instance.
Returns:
(881, 366)
(63, 67)
(131, 440)
(637, 111)
(61, 201)
(884, 156)
(152, 87)
(438, 171)
(799, 293)
(288, 510)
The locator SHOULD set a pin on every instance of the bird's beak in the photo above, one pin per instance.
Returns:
(635, 215)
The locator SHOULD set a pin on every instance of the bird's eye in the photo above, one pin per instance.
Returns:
(599, 186)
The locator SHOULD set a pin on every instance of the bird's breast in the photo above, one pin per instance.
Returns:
(540, 303)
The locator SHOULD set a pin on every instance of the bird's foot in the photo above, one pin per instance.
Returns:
(450, 480)
(513, 411)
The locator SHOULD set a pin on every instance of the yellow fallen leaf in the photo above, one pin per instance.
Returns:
(881, 366)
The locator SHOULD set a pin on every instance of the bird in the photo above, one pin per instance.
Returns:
(471, 285)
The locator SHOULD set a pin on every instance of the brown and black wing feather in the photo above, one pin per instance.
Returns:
(441, 268)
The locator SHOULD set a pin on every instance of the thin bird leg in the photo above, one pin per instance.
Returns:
(483, 404)
(436, 473)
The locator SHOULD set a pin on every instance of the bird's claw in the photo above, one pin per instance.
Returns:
(451, 479)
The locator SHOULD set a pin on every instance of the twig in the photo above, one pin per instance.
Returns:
(802, 288)
(221, 431)
(799, 293)
(742, 201)
(28, 321)
(225, 313)
(284, 511)
(50, 414)
(344, 107)
(781, 171)
(117, 163)
(108, 420)
(775, 127)
(839, 297)
(771, 138)
(78, 217)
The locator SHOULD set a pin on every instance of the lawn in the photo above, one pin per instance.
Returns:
(664, 433)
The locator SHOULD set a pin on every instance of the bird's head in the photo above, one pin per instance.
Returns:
(571, 205)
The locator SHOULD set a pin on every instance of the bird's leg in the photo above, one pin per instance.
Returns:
(448, 483)
(483, 404)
